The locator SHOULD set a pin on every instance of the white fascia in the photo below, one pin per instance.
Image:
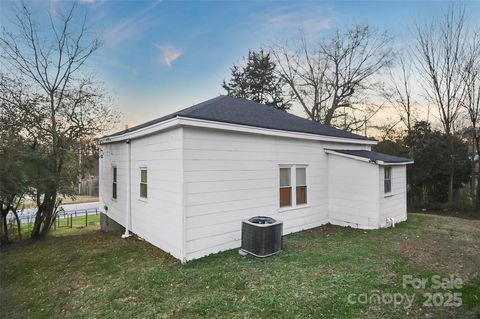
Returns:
(363, 159)
(358, 158)
(394, 164)
(141, 132)
(185, 121)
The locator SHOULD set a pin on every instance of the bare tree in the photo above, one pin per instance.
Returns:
(399, 95)
(70, 105)
(440, 55)
(440, 52)
(471, 102)
(330, 81)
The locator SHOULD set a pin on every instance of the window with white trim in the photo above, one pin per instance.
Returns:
(293, 185)
(301, 185)
(285, 187)
(143, 182)
(114, 182)
(387, 179)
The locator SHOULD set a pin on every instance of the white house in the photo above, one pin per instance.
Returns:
(184, 182)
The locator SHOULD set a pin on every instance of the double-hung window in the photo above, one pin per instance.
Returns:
(114, 182)
(301, 186)
(387, 179)
(285, 187)
(143, 182)
(293, 185)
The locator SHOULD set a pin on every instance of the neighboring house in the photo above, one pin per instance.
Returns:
(184, 182)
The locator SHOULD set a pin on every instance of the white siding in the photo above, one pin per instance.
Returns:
(203, 182)
(114, 154)
(394, 204)
(159, 218)
(232, 176)
(353, 192)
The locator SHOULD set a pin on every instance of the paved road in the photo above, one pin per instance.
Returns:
(28, 214)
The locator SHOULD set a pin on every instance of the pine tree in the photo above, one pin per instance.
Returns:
(257, 81)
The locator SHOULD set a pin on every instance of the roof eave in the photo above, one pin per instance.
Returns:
(394, 163)
(193, 122)
(365, 159)
(140, 132)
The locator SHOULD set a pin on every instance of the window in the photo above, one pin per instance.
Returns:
(143, 182)
(293, 186)
(114, 182)
(285, 187)
(301, 186)
(387, 180)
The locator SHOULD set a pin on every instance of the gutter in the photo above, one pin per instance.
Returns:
(192, 122)
(365, 159)
(129, 191)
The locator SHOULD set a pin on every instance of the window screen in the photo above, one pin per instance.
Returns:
(301, 187)
(285, 187)
(143, 182)
(114, 182)
(387, 183)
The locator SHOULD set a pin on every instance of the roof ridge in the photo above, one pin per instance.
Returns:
(197, 106)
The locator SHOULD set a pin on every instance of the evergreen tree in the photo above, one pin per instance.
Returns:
(429, 177)
(257, 81)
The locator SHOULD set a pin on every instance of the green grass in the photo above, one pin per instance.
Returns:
(63, 226)
(84, 273)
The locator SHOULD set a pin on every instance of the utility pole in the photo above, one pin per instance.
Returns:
(365, 126)
(80, 167)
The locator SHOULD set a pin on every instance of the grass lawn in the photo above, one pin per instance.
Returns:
(63, 227)
(84, 273)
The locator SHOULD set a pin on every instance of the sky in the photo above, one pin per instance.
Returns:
(162, 56)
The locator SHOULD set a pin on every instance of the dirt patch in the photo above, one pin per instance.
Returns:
(446, 246)
(464, 215)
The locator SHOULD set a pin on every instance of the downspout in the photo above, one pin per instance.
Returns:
(391, 222)
(100, 163)
(129, 191)
(184, 203)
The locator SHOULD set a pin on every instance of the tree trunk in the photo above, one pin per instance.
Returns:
(49, 216)
(452, 166)
(35, 234)
(19, 227)
(477, 204)
(424, 196)
(4, 238)
(450, 191)
(476, 165)
(43, 218)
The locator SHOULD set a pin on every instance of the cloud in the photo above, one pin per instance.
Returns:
(167, 54)
(130, 26)
(310, 18)
(88, 1)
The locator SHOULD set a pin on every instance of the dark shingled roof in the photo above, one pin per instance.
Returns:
(234, 110)
(375, 156)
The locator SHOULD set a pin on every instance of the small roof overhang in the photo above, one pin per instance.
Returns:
(371, 157)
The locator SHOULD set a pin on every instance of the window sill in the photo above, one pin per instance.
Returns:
(388, 195)
(143, 199)
(113, 199)
(288, 208)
